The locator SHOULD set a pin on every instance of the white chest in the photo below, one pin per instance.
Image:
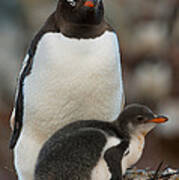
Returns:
(135, 151)
(73, 80)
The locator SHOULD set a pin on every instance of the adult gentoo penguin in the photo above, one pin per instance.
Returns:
(96, 150)
(72, 72)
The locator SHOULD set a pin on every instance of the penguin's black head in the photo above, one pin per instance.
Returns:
(138, 118)
(84, 12)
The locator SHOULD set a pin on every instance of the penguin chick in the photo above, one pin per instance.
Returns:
(72, 72)
(96, 150)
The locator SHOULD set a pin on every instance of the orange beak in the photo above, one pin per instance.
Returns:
(89, 3)
(159, 119)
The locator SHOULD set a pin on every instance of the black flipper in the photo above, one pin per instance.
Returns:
(113, 157)
(19, 109)
(49, 26)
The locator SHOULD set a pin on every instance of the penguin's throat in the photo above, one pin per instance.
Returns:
(82, 31)
(141, 130)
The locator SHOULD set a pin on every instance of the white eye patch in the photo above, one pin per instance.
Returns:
(72, 2)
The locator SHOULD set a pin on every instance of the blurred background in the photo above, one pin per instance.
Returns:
(149, 42)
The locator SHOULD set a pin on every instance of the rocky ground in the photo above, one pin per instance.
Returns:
(147, 174)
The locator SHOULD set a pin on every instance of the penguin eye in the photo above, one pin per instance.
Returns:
(71, 2)
(140, 118)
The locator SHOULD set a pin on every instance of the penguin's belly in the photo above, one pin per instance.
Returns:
(72, 80)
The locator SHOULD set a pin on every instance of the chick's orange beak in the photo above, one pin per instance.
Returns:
(159, 119)
(89, 3)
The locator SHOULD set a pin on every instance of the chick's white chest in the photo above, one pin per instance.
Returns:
(73, 79)
(135, 151)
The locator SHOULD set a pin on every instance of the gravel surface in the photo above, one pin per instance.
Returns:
(147, 174)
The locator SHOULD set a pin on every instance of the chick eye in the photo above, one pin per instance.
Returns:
(140, 118)
(71, 2)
